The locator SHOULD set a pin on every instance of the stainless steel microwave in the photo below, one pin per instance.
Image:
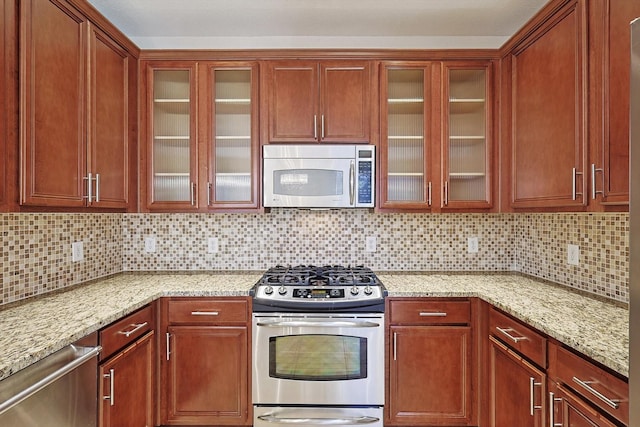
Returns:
(319, 176)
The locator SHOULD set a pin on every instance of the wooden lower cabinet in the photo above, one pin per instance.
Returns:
(516, 390)
(205, 365)
(126, 386)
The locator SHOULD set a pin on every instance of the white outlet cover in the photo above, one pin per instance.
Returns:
(212, 245)
(371, 244)
(77, 251)
(150, 244)
(472, 245)
(573, 255)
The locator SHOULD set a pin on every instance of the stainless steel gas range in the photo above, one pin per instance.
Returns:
(318, 347)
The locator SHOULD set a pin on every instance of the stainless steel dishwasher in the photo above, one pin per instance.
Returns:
(58, 391)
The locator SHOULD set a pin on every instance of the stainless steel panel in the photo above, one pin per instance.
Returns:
(58, 391)
(317, 417)
(268, 390)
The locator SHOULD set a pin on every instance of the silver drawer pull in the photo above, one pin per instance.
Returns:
(614, 403)
(204, 313)
(320, 421)
(111, 375)
(506, 331)
(432, 314)
(136, 328)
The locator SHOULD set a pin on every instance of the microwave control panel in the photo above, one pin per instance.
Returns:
(365, 159)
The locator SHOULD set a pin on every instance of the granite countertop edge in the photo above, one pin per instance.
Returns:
(37, 328)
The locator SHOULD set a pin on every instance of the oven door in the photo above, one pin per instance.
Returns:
(265, 416)
(318, 359)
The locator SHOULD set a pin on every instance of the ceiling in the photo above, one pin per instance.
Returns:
(278, 24)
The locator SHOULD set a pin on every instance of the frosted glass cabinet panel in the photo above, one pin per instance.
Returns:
(172, 152)
(466, 158)
(405, 112)
(234, 136)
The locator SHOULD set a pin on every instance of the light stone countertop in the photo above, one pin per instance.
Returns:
(35, 329)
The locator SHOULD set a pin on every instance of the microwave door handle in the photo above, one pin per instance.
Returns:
(352, 182)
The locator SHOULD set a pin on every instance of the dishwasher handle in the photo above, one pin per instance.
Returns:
(88, 353)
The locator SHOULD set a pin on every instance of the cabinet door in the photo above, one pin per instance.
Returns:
(610, 34)
(345, 107)
(549, 113)
(467, 154)
(516, 390)
(52, 93)
(405, 152)
(108, 147)
(126, 386)
(207, 375)
(232, 135)
(171, 132)
(430, 375)
(570, 411)
(292, 96)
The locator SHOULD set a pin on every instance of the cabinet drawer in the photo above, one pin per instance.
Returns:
(125, 331)
(429, 312)
(602, 389)
(519, 336)
(208, 311)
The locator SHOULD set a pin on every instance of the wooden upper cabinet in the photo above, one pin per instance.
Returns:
(108, 148)
(52, 91)
(310, 101)
(548, 107)
(610, 40)
(75, 93)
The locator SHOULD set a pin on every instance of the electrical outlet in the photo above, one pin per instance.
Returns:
(212, 245)
(370, 244)
(573, 255)
(150, 244)
(77, 251)
(472, 245)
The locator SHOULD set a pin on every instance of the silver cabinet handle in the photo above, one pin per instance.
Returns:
(168, 343)
(89, 179)
(574, 191)
(97, 187)
(204, 313)
(320, 421)
(208, 194)
(552, 407)
(395, 346)
(429, 193)
(86, 354)
(532, 406)
(315, 126)
(318, 324)
(136, 328)
(322, 126)
(505, 331)
(193, 194)
(352, 182)
(614, 403)
(446, 193)
(111, 375)
(594, 192)
(433, 314)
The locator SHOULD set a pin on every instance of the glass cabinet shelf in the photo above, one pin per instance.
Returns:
(405, 174)
(466, 175)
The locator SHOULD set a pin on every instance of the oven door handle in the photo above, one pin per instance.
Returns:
(320, 421)
(318, 324)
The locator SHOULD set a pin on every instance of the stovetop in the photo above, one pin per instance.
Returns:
(319, 288)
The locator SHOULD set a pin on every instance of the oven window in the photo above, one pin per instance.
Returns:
(307, 182)
(318, 357)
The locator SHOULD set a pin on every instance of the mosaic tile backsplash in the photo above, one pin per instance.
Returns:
(36, 248)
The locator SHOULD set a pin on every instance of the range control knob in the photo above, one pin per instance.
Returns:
(354, 290)
(368, 290)
(268, 290)
(282, 290)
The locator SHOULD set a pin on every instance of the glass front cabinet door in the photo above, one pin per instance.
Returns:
(466, 152)
(232, 135)
(172, 171)
(405, 111)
